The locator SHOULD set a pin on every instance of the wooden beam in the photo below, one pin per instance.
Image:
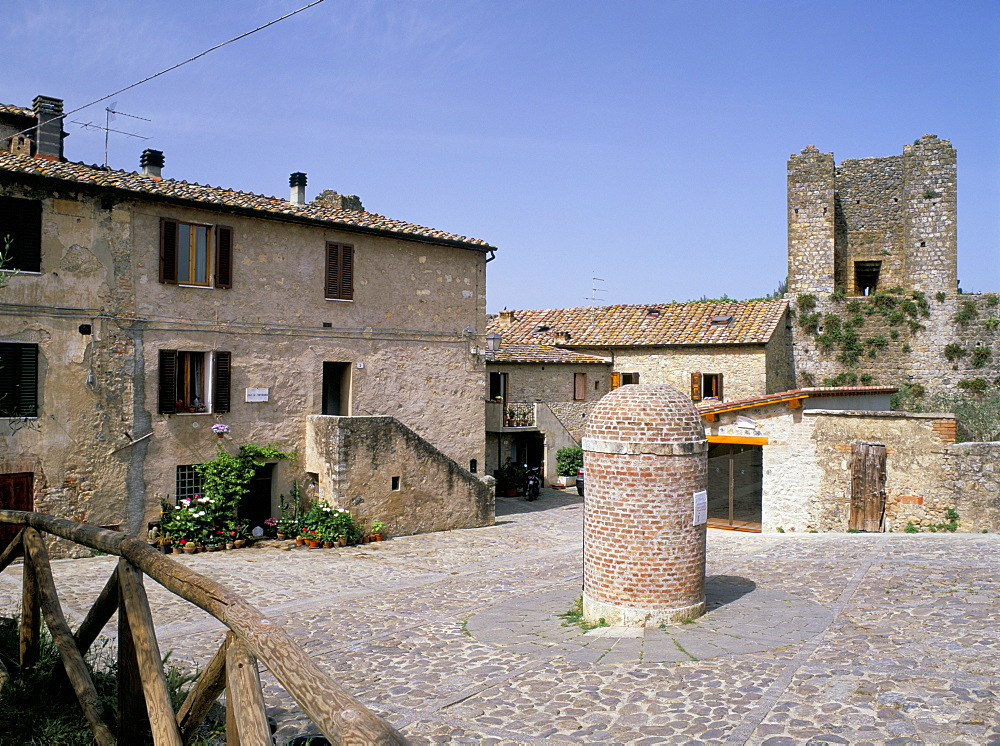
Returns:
(99, 615)
(11, 553)
(246, 718)
(147, 652)
(210, 684)
(795, 404)
(751, 405)
(31, 618)
(738, 439)
(76, 668)
(710, 417)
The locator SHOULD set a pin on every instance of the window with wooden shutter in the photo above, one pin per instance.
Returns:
(167, 403)
(223, 256)
(339, 271)
(579, 386)
(616, 380)
(183, 385)
(168, 250)
(21, 222)
(696, 387)
(223, 386)
(18, 380)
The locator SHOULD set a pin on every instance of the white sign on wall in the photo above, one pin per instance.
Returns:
(257, 394)
(700, 508)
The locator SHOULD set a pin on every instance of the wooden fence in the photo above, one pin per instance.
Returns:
(143, 691)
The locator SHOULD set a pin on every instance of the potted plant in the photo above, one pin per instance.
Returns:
(377, 528)
(510, 478)
(220, 429)
(569, 461)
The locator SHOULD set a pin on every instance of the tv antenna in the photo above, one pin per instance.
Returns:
(594, 290)
(109, 117)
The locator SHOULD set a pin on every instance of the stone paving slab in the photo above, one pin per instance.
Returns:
(456, 637)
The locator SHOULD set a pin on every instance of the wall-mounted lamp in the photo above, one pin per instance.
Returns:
(493, 341)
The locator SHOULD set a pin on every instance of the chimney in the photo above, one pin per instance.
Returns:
(49, 130)
(152, 163)
(506, 319)
(297, 182)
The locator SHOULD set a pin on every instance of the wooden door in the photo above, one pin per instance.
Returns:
(15, 494)
(867, 487)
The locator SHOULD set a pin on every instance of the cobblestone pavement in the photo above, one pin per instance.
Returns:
(455, 637)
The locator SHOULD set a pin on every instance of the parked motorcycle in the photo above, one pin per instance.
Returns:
(533, 485)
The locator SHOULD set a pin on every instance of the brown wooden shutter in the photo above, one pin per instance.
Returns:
(616, 380)
(332, 270)
(719, 392)
(168, 250)
(168, 382)
(223, 256)
(223, 387)
(339, 271)
(579, 386)
(27, 405)
(696, 387)
(347, 272)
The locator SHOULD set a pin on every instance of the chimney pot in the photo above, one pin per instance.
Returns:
(297, 182)
(49, 128)
(506, 319)
(151, 162)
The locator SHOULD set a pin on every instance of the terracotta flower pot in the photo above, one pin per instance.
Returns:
(188, 549)
(230, 545)
(177, 550)
(299, 541)
(280, 536)
(342, 541)
(327, 544)
(239, 543)
(313, 543)
(378, 537)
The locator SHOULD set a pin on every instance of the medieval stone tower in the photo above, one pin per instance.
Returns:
(873, 275)
(873, 223)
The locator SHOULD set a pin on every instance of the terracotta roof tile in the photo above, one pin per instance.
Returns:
(530, 353)
(218, 197)
(18, 110)
(709, 323)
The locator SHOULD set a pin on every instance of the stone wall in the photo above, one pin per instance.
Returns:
(972, 480)
(744, 367)
(551, 382)
(381, 470)
(916, 355)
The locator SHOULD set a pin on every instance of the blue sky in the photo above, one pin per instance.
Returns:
(644, 143)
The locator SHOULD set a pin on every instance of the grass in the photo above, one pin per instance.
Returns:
(574, 617)
(33, 712)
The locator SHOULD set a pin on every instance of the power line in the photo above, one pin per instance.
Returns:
(179, 64)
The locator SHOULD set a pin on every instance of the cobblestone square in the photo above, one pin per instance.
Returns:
(456, 637)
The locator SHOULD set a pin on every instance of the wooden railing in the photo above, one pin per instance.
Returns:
(142, 682)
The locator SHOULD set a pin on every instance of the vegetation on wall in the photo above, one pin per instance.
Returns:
(976, 408)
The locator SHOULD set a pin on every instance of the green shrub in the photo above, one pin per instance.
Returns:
(967, 312)
(992, 323)
(940, 296)
(979, 356)
(837, 295)
(809, 322)
(806, 302)
(569, 461)
(953, 351)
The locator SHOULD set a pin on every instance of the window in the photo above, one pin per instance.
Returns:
(21, 221)
(18, 380)
(498, 386)
(339, 271)
(192, 254)
(706, 386)
(192, 382)
(189, 482)
(866, 276)
(579, 386)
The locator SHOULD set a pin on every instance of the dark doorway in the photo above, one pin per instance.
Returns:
(255, 506)
(735, 486)
(498, 386)
(15, 494)
(336, 388)
(529, 450)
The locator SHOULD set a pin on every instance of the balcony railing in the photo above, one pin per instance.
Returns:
(519, 414)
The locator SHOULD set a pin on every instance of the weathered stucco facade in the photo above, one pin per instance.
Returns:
(262, 343)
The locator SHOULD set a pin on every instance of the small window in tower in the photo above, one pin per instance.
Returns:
(866, 276)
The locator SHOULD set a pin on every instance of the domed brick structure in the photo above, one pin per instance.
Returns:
(645, 457)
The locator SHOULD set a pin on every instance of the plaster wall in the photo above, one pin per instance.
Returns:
(744, 367)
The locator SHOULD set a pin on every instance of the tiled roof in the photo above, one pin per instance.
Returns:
(805, 393)
(212, 197)
(529, 353)
(18, 110)
(709, 323)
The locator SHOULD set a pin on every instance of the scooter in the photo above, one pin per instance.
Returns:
(533, 485)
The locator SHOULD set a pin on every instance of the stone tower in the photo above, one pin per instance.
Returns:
(873, 223)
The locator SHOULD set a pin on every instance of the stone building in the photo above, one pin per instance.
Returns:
(785, 462)
(146, 309)
(555, 364)
(873, 271)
